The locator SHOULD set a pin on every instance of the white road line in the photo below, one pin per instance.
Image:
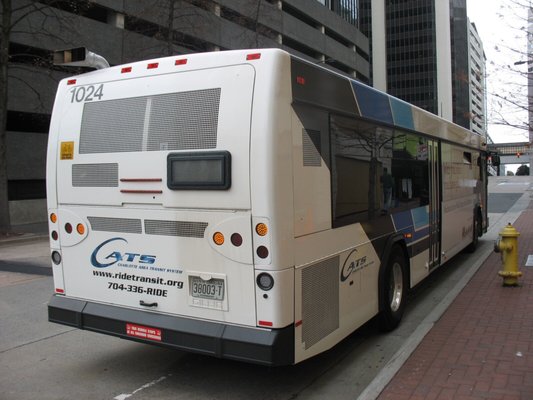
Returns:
(145, 386)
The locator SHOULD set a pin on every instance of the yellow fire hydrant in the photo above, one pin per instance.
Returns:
(507, 244)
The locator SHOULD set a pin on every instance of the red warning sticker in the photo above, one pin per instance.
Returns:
(144, 332)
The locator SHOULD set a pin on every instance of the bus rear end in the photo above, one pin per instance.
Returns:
(152, 232)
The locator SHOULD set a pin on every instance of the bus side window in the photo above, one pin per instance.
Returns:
(361, 152)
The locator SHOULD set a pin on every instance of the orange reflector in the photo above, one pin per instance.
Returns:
(125, 69)
(300, 80)
(408, 235)
(253, 56)
(53, 218)
(218, 238)
(182, 61)
(80, 229)
(71, 82)
(152, 65)
(261, 229)
(265, 323)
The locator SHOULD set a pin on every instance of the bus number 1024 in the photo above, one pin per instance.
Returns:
(87, 93)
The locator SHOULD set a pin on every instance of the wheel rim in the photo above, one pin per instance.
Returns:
(396, 287)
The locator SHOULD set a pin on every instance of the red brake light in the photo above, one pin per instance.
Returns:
(262, 252)
(253, 56)
(236, 239)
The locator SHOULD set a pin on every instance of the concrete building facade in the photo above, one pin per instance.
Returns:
(323, 31)
(420, 53)
(478, 82)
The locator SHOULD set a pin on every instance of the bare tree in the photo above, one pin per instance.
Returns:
(510, 97)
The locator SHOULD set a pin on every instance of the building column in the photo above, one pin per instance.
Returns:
(379, 45)
(444, 59)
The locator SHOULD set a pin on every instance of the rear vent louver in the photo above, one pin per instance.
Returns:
(124, 225)
(173, 121)
(320, 301)
(311, 148)
(175, 228)
(95, 175)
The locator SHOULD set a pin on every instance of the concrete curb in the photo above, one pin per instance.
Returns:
(484, 250)
(25, 238)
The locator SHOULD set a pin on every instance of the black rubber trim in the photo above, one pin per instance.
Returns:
(260, 346)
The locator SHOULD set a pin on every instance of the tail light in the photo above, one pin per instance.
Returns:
(236, 239)
(265, 281)
(262, 252)
(56, 257)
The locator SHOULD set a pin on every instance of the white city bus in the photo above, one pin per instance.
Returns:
(249, 205)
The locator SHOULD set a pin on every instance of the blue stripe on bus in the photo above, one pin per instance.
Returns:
(403, 220)
(372, 103)
(402, 113)
(414, 223)
(420, 217)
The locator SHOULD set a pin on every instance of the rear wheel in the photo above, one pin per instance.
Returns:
(394, 289)
(476, 233)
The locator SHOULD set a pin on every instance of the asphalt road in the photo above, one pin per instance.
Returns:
(40, 360)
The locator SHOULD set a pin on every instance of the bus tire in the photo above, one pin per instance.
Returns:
(476, 233)
(394, 289)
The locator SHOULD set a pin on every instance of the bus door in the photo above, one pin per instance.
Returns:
(434, 204)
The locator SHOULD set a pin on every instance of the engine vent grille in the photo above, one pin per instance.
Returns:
(95, 175)
(124, 225)
(320, 301)
(173, 121)
(175, 228)
(311, 148)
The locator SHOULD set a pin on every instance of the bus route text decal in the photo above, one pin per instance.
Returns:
(108, 254)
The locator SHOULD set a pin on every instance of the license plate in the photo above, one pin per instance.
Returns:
(213, 289)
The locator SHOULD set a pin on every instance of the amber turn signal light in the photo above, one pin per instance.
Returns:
(261, 229)
(218, 238)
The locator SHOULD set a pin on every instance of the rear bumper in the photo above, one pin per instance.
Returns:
(267, 347)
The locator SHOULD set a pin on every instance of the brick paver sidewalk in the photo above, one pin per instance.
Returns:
(482, 347)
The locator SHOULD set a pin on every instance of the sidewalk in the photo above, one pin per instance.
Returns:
(482, 346)
(27, 232)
